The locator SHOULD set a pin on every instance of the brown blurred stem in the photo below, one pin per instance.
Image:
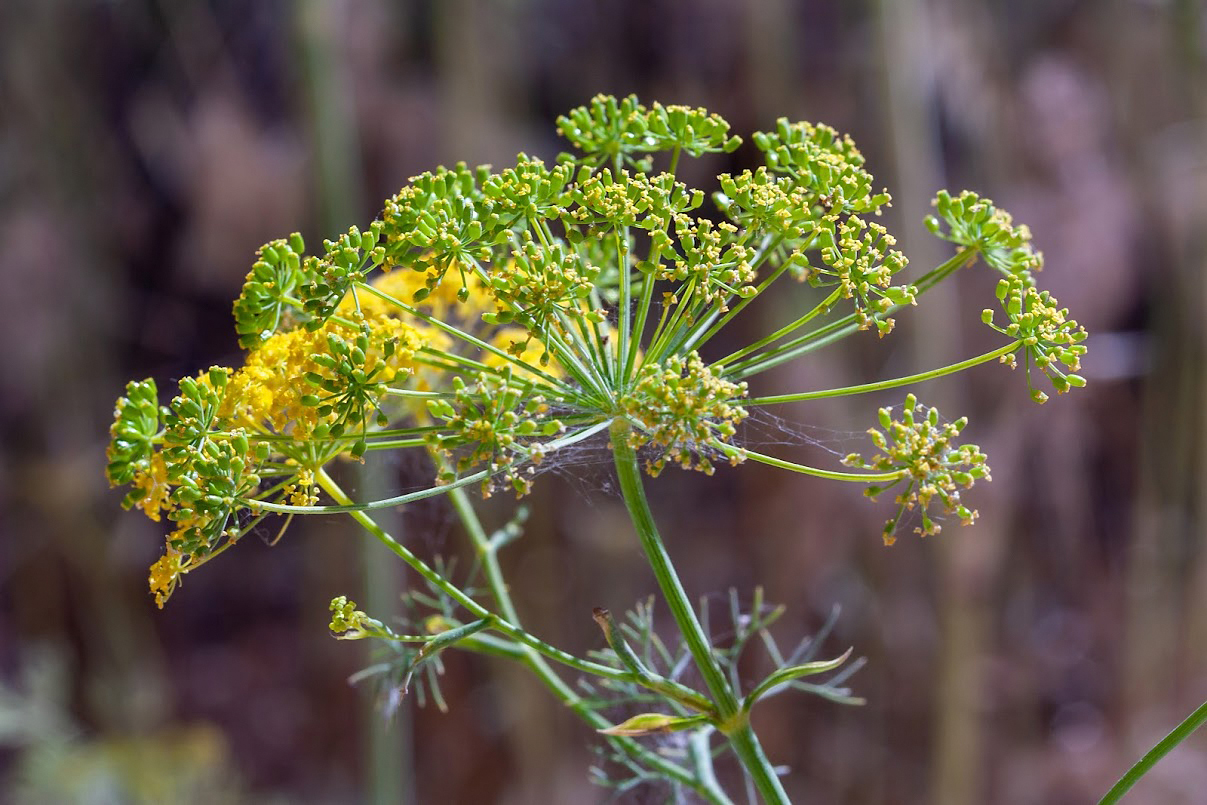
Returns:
(320, 37)
(908, 89)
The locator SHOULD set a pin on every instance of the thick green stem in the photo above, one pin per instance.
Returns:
(1145, 764)
(487, 553)
(733, 721)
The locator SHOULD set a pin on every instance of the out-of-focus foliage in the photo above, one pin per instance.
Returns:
(55, 760)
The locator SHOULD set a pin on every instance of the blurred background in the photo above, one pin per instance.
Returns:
(148, 148)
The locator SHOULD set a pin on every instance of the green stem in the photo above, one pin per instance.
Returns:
(588, 375)
(586, 335)
(420, 395)
(843, 327)
(487, 553)
(346, 506)
(643, 312)
(733, 722)
(668, 326)
(896, 382)
(394, 444)
(803, 469)
(1145, 764)
(765, 251)
(454, 592)
(826, 334)
(626, 306)
(822, 307)
(643, 675)
(945, 269)
(463, 336)
(488, 556)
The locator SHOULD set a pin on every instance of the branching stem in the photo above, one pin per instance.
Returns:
(728, 709)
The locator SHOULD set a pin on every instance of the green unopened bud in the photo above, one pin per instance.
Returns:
(337, 345)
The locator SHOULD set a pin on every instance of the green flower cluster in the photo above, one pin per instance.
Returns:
(679, 409)
(1051, 340)
(349, 623)
(490, 319)
(861, 259)
(932, 467)
(976, 223)
(493, 422)
(613, 132)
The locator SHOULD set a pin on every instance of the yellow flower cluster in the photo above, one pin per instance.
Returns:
(302, 490)
(274, 393)
(154, 483)
(460, 299)
(268, 390)
(165, 572)
(933, 467)
(461, 296)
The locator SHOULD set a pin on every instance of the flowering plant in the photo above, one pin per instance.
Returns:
(491, 320)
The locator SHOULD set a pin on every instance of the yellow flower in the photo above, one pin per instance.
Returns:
(302, 491)
(165, 573)
(443, 302)
(154, 482)
(267, 392)
(516, 341)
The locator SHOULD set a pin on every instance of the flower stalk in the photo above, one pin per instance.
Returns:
(731, 718)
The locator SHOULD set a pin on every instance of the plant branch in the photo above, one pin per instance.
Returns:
(487, 553)
(804, 469)
(1163, 748)
(733, 722)
(893, 383)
